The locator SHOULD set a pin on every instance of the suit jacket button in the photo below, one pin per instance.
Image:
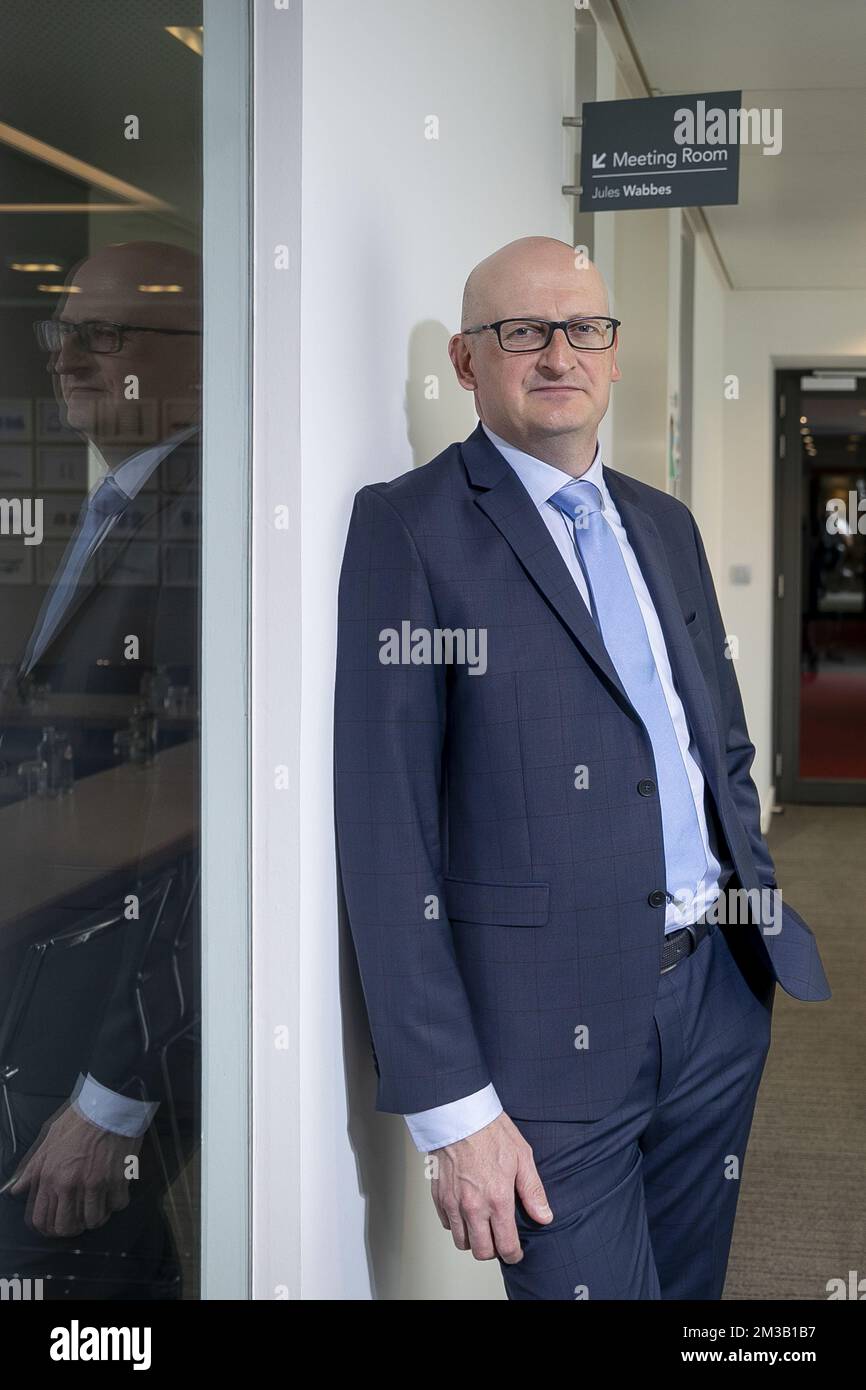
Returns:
(657, 898)
(646, 787)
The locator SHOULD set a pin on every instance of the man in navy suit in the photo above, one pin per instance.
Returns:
(565, 915)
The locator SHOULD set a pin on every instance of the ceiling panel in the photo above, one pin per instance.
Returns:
(801, 219)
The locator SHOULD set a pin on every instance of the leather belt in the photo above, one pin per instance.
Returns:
(680, 943)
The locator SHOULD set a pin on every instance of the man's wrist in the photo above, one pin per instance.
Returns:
(111, 1111)
(456, 1120)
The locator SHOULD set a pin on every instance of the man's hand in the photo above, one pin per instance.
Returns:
(475, 1188)
(74, 1176)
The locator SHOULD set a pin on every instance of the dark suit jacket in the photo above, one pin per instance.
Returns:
(458, 790)
(86, 656)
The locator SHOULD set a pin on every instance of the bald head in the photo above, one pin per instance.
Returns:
(518, 278)
(548, 400)
(153, 283)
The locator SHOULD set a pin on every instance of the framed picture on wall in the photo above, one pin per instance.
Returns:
(16, 420)
(16, 468)
(64, 466)
(50, 423)
(16, 561)
(60, 513)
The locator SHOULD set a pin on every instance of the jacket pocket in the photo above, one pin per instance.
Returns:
(497, 904)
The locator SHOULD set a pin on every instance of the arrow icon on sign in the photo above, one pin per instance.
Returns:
(598, 161)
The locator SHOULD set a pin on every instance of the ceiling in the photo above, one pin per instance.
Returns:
(71, 74)
(800, 222)
(801, 219)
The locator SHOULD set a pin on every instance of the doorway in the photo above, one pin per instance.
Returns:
(820, 627)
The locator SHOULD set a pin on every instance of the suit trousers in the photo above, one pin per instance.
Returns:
(644, 1198)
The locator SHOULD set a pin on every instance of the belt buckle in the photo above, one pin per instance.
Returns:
(690, 929)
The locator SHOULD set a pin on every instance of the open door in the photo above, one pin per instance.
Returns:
(820, 629)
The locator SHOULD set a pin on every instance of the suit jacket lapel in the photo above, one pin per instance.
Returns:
(507, 503)
(513, 512)
(646, 542)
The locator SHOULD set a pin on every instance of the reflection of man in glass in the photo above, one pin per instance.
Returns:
(99, 1046)
(123, 354)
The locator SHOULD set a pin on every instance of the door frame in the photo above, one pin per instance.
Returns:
(789, 785)
(226, 1118)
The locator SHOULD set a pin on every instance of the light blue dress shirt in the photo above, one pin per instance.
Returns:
(445, 1124)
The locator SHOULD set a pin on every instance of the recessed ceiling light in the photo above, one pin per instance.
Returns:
(189, 34)
(59, 289)
(29, 266)
(128, 197)
(160, 289)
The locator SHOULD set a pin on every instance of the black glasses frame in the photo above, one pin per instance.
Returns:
(551, 325)
(77, 326)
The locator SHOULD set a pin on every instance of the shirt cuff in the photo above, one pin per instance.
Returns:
(445, 1124)
(109, 1110)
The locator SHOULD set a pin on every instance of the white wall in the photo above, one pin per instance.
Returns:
(642, 288)
(604, 225)
(708, 371)
(766, 329)
(392, 223)
(275, 694)
(639, 253)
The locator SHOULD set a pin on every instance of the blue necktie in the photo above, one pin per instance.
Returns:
(618, 617)
(107, 501)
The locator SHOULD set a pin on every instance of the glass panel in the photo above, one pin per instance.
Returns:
(833, 675)
(100, 1025)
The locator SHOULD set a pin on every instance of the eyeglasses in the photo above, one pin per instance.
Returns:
(593, 334)
(94, 335)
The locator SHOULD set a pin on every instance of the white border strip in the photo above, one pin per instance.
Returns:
(276, 645)
(226, 1117)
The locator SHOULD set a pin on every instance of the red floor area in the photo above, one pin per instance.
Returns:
(833, 724)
